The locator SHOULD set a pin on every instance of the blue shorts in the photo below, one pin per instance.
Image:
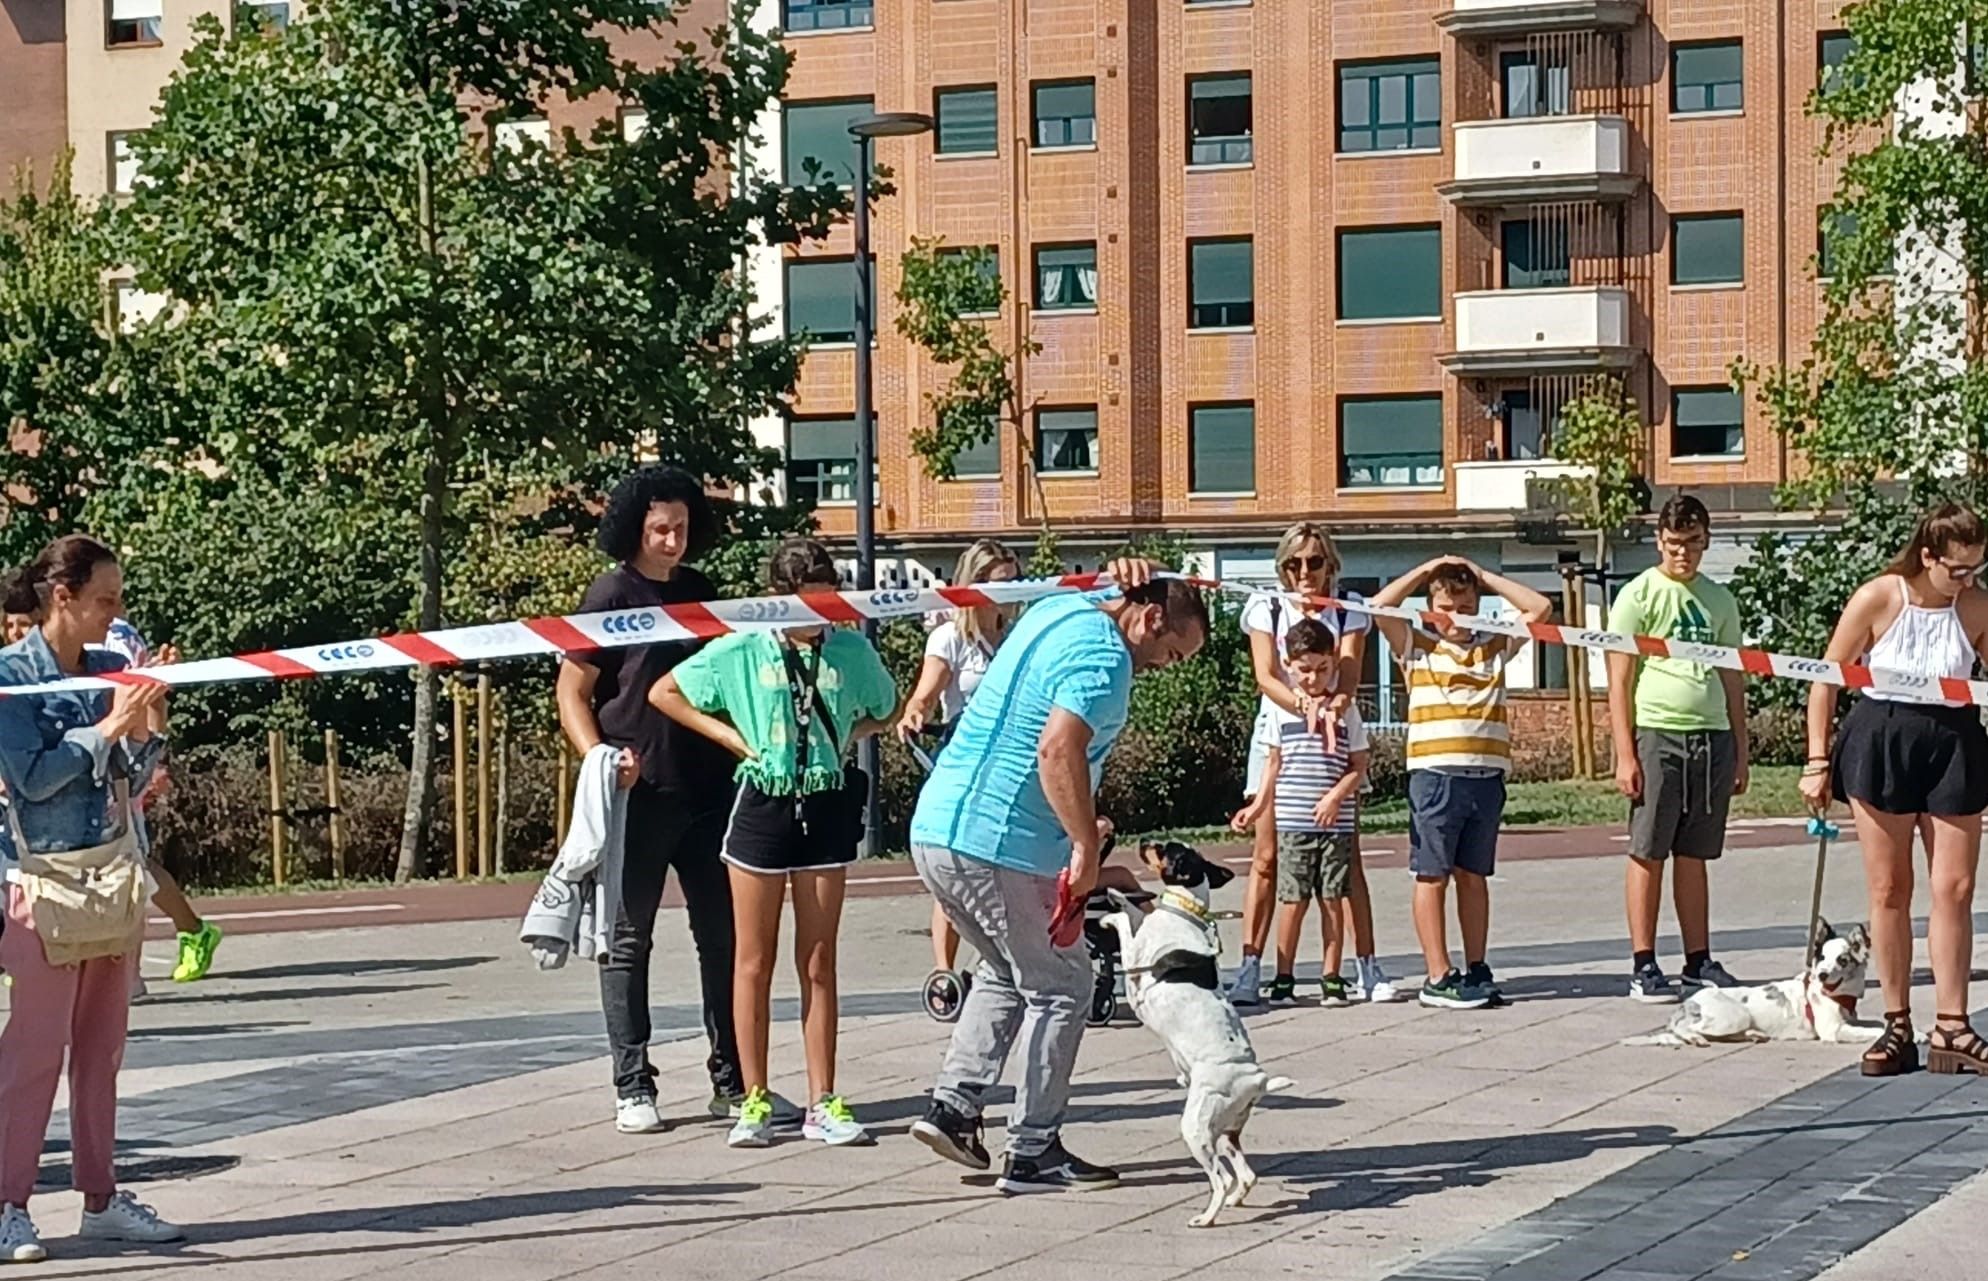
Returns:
(1453, 822)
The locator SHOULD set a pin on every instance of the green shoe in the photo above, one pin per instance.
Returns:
(1283, 988)
(1333, 990)
(196, 953)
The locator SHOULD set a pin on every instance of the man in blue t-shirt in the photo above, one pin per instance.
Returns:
(1010, 804)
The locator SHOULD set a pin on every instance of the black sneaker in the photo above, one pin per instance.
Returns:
(1710, 974)
(1055, 1170)
(1284, 988)
(953, 1136)
(1649, 986)
(1479, 976)
(1452, 993)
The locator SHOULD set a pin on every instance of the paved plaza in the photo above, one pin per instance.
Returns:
(416, 1101)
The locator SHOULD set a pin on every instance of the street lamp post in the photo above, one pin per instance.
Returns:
(866, 129)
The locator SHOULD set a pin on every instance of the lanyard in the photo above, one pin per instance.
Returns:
(804, 691)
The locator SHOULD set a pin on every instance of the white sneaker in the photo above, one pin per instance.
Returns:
(1248, 987)
(19, 1243)
(125, 1219)
(1374, 984)
(830, 1121)
(638, 1116)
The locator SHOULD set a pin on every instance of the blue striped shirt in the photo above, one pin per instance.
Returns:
(1306, 771)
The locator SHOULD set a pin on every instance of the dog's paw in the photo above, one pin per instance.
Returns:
(1202, 1221)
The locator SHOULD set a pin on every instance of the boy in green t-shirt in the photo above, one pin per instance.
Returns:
(1679, 732)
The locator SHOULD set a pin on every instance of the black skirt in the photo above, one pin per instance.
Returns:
(1912, 758)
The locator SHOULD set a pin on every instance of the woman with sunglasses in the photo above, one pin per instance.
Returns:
(1307, 565)
(1909, 765)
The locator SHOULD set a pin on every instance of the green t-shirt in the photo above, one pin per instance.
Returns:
(743, 677)
(1672, 694)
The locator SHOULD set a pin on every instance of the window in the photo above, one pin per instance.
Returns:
(1832, 48)
(124, 176)
(512, 136)
(821, 459)
(1390, 441)
(1066, 113)
(1705, 77)
(270, 15)
(1535, 83)
(135, 23)
(1705, 422)
(1066, 440)
(634, 123)
(1535, 254)
(816, 145)
(1221, 284)
(968, 121)
(821, 298)
(1066, 277)
(1221, 449)
(1390, 106)
(1391, 274)
(1525, 435)
(132, 306)
(1834, 233)
(986, 297)
(1707, 249)
(824, 15)
(982, 461)
(1219, 120)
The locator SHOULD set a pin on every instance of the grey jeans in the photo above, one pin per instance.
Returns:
(1026, 993)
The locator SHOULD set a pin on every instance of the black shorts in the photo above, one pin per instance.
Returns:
(767, 836)
(1688, 782)
(1912, 758)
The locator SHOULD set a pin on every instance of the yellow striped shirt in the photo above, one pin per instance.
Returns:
(1456, 702)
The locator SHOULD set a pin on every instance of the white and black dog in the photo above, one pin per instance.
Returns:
(1174, 987)
(1820, 1004)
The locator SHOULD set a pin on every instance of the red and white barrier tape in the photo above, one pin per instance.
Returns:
(583, 633)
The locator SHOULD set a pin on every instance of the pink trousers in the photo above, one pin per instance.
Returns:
(82, 1010)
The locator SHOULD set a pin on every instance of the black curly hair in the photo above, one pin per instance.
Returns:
(18, 595)
(620, 534)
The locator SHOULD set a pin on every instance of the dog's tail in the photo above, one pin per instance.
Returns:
(1665, 1037)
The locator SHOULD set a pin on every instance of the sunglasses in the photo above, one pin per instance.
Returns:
(1963, 573)
(1311, 564)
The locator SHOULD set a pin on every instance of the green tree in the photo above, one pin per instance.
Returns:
(1888, 413)
(356, 269)
(947, 296)
(1601, 430)
(62, 378)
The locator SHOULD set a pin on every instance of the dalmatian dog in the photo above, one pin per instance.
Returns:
(1818, 1005)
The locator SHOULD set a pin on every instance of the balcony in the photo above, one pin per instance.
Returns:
(1523, 17)
(1538, 331)
(1540, 159)
(1508, 485)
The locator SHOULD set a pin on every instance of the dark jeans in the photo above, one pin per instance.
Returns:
(664, 833)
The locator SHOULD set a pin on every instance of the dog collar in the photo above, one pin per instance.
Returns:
(1184, 905)
(1848, 1004)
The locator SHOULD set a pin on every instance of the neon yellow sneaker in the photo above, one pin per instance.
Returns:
(755, 1124)
(196, 953)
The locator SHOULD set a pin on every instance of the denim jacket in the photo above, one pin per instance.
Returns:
(59, 770)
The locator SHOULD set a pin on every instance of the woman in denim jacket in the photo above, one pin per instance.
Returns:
(62, 757)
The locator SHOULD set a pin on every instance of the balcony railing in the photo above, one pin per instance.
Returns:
(1506, 485)
(1525, 331)
(1537, 159)
(1522, 17)
(1221, 151)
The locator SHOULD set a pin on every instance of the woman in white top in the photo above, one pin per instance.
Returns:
(956, 657)
(1914, 763)
(1307, 564)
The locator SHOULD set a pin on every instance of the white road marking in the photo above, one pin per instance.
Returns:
(298, 911)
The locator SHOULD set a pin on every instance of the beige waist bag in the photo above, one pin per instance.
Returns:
(86, 903)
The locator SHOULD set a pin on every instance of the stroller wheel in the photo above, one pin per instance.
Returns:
(1104, 1007)
(945, 992)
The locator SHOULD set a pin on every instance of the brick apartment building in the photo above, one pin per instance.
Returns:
(1327, 259)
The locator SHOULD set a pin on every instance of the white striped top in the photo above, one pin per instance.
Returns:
(1306, 772)
(1456, 702)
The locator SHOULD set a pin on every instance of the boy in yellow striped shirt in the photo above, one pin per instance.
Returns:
(1459, 751)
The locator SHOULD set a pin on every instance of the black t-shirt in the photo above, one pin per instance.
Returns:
(675, 761)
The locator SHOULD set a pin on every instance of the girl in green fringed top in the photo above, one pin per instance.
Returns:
(788, 705)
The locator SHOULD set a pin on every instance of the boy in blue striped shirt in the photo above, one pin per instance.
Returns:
(1311, 782)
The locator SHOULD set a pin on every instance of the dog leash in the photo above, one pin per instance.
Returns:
(1824, 832)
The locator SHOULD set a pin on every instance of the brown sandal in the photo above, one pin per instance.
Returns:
(1894, 1053)
(1957, 1049)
